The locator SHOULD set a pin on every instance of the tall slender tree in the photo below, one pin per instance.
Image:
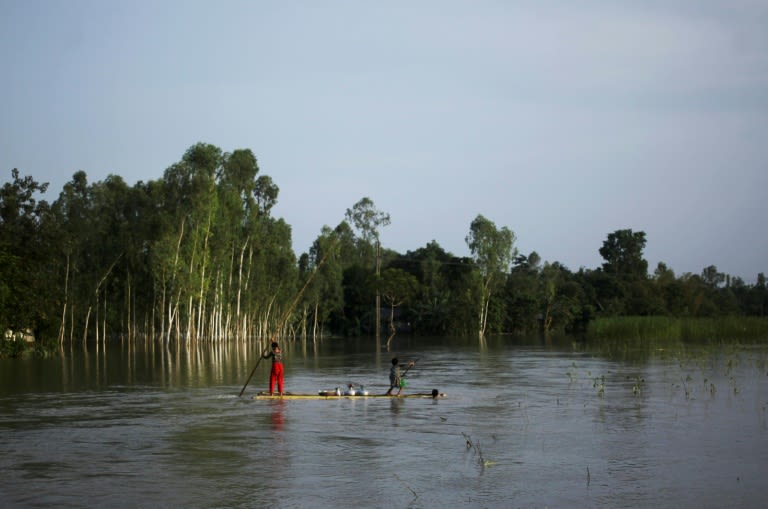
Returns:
(493, 250)
(367, 219)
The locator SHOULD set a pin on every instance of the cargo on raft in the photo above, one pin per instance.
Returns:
(333, 394)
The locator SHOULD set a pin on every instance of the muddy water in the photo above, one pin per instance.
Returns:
(525, 424)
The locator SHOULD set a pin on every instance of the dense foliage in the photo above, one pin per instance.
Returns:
(196, 255)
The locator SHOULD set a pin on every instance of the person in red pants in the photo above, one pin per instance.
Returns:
(276, 375)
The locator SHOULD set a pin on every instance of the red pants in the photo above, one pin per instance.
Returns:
(276, 377)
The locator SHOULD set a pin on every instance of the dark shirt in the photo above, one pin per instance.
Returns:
(394, 375)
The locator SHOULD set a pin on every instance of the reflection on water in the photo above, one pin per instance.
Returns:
(557, 424)
(278, 414)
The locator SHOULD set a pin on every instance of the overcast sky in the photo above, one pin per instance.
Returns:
(561, 120)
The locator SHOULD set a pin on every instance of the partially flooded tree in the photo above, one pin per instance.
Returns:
(493, 251)
(367, 219)
(397, 287)
(22, 259)
(326, 295)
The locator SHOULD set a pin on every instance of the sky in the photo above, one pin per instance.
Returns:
(563, 121)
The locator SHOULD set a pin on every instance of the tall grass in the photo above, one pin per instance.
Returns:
(663, 328)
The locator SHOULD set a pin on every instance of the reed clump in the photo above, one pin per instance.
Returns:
(664, 329)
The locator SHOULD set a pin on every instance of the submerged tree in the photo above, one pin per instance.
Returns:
(493, 250)
(397, 287)
(23, 296)
(196, 255)
(325, 296)
(367, 219)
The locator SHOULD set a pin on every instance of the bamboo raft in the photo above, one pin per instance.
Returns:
(322, 395)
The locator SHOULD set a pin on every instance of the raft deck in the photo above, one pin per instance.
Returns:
(332, 395)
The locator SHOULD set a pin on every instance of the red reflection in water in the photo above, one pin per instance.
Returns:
(278, 415)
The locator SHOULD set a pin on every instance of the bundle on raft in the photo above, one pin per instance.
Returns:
(334, 394)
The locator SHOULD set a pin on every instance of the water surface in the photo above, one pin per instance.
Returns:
(525, 424)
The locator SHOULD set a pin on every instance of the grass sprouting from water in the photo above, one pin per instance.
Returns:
(663, 328)
(474, 445)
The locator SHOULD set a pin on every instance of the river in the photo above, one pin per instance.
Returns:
(524, 424)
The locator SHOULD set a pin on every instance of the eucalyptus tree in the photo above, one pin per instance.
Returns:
(325, 296)
(273, 276)
(367, 219)
(265, 192)
(113, 221)
(347, 245)
(190, 203)
(94, 246)
(256, 273)
(222, 264)
(72, 225)
(147, 224)
(233, 232)
(493, 250)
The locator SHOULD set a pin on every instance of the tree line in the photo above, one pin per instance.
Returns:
(197, 256)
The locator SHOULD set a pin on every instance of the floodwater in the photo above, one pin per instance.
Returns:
(524, 424)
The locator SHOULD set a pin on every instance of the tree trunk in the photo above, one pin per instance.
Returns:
(485, 300)
(64, 307)
(314, 322)
(85, 328)
(240, 281)
(378, 296)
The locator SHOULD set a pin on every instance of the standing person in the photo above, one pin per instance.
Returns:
(276, 375)
(394, 377)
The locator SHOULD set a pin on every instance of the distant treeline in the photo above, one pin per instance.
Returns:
(197, 256)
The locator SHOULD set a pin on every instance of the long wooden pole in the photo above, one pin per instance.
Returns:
(288, 311)
(261, 356)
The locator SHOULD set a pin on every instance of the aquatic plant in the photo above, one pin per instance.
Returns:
(599, 384)
(478, 451)
(711, 387)
(572, 373)
(734, 385)
(686, 388)
(658, 329)
(415, 495)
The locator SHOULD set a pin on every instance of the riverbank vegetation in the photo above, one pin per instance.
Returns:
(723, 328)
(197, 255)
